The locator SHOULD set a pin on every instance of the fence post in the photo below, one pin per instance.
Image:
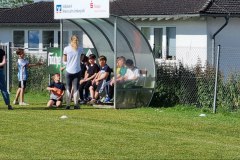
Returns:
(61, 48)
(9, 61)
(216, 79)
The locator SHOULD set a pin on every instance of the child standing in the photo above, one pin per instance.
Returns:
(22, 65)
(57, 91)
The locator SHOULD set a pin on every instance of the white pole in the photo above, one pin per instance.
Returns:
(8, 66)
(115, 57)
(216, 80)
(61, 46)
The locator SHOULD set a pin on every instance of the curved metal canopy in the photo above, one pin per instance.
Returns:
(132, 45)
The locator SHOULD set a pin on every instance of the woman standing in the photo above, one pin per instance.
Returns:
(72, 62)
(3, 87)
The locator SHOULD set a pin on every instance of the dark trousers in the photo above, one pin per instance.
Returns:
(84, 87)
(3, 88)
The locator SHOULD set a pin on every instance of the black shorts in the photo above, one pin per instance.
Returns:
(22, 84)
(55, 101)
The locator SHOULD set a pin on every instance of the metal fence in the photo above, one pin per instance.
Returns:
(38, 76)
(188, 78)
(191, 79)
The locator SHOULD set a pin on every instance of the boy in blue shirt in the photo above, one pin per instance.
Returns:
(23, 66)
(100, 79)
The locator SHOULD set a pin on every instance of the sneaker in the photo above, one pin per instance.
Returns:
(98, 101)
(102, 99)
(15, 102)
(76, 107)
(68, 107)
(107, 100)
(93, 101)
(23, 104)
(87, 99)
(10, 107)
(83, 102)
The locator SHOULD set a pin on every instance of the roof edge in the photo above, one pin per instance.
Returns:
(220, 15)
(206, 5)
(161, 16)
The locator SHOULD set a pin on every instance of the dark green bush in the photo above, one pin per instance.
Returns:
(167, 85)
(195, 86)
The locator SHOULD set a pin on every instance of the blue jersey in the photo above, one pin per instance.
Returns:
(22, 69)
(105, 69)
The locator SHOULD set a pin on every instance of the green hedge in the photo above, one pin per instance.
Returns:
(195, 86)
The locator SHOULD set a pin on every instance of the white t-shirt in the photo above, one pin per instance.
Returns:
(73, 59)
(132, 74)
(22, 69)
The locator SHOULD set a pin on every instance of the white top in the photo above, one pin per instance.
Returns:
(22, 69)
(73, 59)
(132, 74)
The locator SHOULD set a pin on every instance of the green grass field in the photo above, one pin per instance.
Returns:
(34, 132)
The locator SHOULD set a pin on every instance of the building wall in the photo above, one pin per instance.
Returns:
(7, 36)
(229, 36)
(229, 39)
(191, 39)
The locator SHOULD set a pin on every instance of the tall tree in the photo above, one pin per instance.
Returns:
(14, 3)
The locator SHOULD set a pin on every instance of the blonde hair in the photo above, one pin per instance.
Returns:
(53, 76)
(74, 36)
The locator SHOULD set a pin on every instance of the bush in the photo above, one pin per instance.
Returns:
(195, 86)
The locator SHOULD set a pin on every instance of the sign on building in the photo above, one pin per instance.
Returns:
(54, 60)
(70, 9)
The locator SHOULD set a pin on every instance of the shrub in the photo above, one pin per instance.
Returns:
(195, 86)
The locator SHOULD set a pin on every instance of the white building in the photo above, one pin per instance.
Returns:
(176, 30)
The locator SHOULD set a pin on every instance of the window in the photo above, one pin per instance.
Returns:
(18, 39)
(163, 41)
(65, 38)
(146, 32)
(33, 40)
(171, 42)
(47, 39)
(157, 46)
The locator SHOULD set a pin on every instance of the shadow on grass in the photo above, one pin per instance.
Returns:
(37, 107)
